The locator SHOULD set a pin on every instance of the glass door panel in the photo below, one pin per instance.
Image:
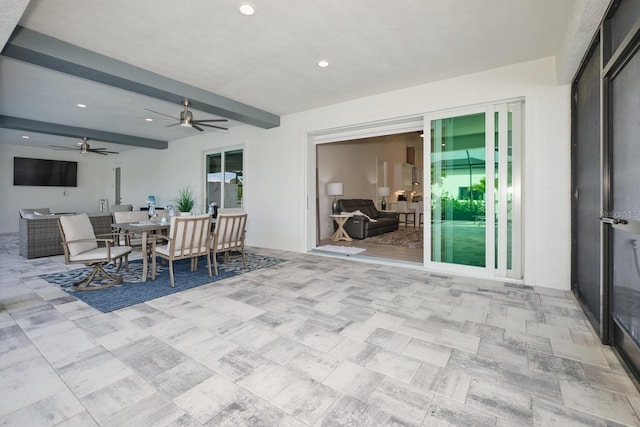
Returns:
(458, 188)
(475, 190)
(214, 179)
(233, 178)
(624, 214)
(225, 179)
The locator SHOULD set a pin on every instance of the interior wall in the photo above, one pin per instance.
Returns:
(354, 163)
(94, 182)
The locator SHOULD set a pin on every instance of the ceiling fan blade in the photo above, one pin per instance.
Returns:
(193, 125)
(210, 120)
(102, 150)
(175, 124)
(213, 126)
(64, 148)
(104, 153)
(162, 114)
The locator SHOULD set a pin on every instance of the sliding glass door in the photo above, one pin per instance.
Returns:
(224, 179)
(475, 190)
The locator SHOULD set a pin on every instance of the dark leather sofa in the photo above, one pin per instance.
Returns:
(359, 227)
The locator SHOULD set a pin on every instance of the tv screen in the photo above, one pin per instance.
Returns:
(41, 172)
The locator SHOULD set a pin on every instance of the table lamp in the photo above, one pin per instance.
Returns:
(334, 189)
(383, 192)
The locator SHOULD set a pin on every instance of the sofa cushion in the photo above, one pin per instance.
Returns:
(365, 206)
(34, 212)
(370, 211)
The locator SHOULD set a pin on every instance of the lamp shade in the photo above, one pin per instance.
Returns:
(334, 189)
(383, 191)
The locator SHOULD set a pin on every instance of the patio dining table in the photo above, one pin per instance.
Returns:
(145, 228)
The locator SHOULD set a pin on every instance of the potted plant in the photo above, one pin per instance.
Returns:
(185, 200)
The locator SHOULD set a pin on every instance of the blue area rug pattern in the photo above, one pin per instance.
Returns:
(133, 291)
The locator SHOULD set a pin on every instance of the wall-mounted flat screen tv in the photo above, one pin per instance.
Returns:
(41, 172)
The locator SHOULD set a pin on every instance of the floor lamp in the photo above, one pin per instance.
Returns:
(334, 189)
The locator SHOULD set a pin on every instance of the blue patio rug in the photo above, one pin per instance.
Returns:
(133, 291)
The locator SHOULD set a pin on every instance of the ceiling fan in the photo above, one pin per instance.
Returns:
(186, 118)
(85, 148)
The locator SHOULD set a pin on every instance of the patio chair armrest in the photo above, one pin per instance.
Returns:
(155, 238)
(88, 240)
(107, 242)
(119, 236)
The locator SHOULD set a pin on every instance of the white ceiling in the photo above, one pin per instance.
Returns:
(267, 60)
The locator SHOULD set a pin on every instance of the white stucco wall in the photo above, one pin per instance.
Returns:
(279, 181)
(546, 175)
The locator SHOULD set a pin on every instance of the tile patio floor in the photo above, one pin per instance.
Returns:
(312, 341)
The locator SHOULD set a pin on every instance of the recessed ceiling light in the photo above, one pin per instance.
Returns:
(323, 63)
(82, 105)
(247, 9)
(149, 119)
(25, 137)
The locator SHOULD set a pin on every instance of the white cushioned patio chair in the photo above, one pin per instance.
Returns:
(228, 236)
(81, 246)
(189, 237)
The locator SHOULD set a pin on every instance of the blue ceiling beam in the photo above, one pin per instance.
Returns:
(27, 125)
(39, 49)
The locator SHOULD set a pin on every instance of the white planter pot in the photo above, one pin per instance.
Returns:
(185, 213)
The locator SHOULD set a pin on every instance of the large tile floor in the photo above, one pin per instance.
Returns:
(313, 341)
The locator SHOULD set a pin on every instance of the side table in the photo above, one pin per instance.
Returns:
(341, 233)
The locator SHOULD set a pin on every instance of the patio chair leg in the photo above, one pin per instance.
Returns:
(118, 263)
(209, 264)
(215, 263)
(173, 285)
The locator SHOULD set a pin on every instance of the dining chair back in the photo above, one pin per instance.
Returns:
(120, 217)
(228, 236)
(405, 211)
(121, 208)
(189, 237)
(81, 246)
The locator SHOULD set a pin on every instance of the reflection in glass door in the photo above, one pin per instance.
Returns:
(475, 197)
